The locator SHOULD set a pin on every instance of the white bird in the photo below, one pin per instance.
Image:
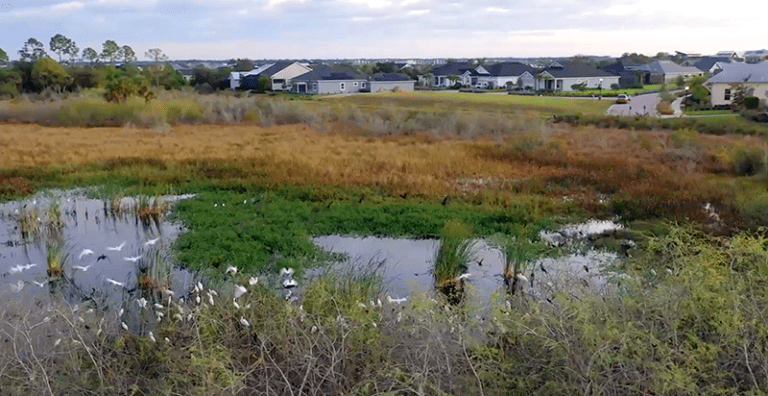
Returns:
(159, 306)
(85, 252)
(58, 341)
(463, 276)
(81, 268)
(132, 259)
(361, 305)
(159, 315)
(142, 302)
(117, 248)
(168, 340)
(522, 278)
(244, 322)
(234, 302)
(210, 298)
(653, 272)
(197, 299)
(200, 286)
(41, 284)
(121, 312)
(169, 292)
(231, 269)
(289, 283)
(396, 300)
(20, 268)
(152, 337)
(286, 272)
(18, 286)
(239, 291)
(254, 280)
(378, 301)
(178, 317)
(125, 326)
(151, 242)
(116, 283)
(214, 292)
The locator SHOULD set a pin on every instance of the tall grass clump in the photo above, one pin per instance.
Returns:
(154, 272)
(29, 222)
(517, 252)
(54, 219)
(56, 257)
(451, 259)
(150, 209)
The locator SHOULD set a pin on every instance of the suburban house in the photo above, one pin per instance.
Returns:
(756, 56)
(451, 73)
(752, 76)
(666, 72)
(279, 73)
(563, 76)
(501, 75)
(628, 74)
(330, 80)
(712, 64)
(390, 82)
(727, 54)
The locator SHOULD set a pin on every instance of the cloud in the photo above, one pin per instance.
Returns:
(64, 7)
(375, 4)
(417, 12)
(496, 10)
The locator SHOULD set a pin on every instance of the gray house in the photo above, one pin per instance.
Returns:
(665, 72)
(330, 80)
(505, 74)
(563, 76)
(390, 82)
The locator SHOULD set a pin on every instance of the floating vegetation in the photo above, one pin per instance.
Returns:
(54, 220)
(517, 252)
(452, 258)
(29, 222)
(116, 203)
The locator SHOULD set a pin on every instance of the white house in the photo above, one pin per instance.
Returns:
(463, 72)
(756, 56)
(502, 74)
(750, 75)
(562, 76)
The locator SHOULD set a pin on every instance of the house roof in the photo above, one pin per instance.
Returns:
(505, 69)
(706, 63)
(757, 53)
(742, 73)
(668, 67)
(331, 73)
(390, 77)
(574, 69)
(452, 68)
(275, 68)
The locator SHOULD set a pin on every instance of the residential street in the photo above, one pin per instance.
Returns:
(638, 105)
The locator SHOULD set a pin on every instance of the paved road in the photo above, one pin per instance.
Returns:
(638, 105)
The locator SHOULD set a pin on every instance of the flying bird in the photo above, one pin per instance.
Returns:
(132, 259)
(116, 283)
(102, 257)
(254, 280)
(151, 242)
(396, 300)
(239, 291)
(85, 252)
(117, 248)
(463, 276)
(20, 268)
(287, 271)
(18, 286)
(289, 283)
(40, 284)
(231, 269)
(81, 268)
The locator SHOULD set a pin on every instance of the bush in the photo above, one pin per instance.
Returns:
(748, 161)
(751, 102)
(664, 108)
(615, 86)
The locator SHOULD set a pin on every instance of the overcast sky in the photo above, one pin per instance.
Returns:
(257, 29)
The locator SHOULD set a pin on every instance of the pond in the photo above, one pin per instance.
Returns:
(104, 247)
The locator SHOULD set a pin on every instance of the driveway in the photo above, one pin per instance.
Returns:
(638, 105)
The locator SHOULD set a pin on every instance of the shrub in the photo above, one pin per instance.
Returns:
(664, 108)
(615, 86)
(748, 161)
(751, 102)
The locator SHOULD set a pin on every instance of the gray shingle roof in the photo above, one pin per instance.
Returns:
(668, 67)
(452, 68)
(575, 69)
(390, 77)
(706, 63)
(506, 69)
(275, 68)
(742, 73)
(335, 73)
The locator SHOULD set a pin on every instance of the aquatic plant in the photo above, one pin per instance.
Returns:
(116, 203)
(150, 209)
(54, 219)
(154, 272)
(29, 222)
(452, 258)
(56, 257)
(517, 251)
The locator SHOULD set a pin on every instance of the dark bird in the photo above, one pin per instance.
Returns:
(445, 200)
(102, 257)
(543, 269)
(329, 205)
(480, 262)
(586, 268)
(404, 196)
(531, 279)
(361, 198)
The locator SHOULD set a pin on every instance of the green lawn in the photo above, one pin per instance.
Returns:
(615, 92)
(711, 112)
(453, 101)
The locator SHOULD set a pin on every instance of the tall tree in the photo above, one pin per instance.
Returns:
(72, 50)
(156, 54)
(47, 73)
(32, 50)
(59, 44)
(111, 51)
(243, 65)
(128, 54)
(3, 57)
(91, 55)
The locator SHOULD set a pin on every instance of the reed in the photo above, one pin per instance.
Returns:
(452, 258)
(56, 258)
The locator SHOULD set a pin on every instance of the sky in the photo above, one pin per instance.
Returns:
(328, 29)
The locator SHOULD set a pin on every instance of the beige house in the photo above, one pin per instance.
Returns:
(752, 76)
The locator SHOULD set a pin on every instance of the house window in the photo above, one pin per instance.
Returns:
(314, 86)
(727, 95)
(343, 86)
(362, 84)
(354, 83)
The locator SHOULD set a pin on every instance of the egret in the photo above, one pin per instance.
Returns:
(159, 306)
(170, 293)
(522, 278)
(200, 286)
(314, 329)
(159, 315)
(214, 292)
(289, 283)
(234, 302)
(463, 276)
(178, 317)
(118, 247)
(58, 341)
(151, 242)
(20, 268)
(168, 340)
(121, 312)
(231, 269)
(142, 302)
(125, 326)
(361, 305)
(210, 298)
(81, 268)
(396, 300)
(18, 286)
(653, 272)
(40, 284)
(378, 301)
(244, 322)
(239, 291)
(286, 272)
(85, 252)
(152, 337)
(254, 280)
(132, 259)
(197, 299)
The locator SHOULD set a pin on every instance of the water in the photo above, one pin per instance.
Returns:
(87, 224)
(407, 266)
